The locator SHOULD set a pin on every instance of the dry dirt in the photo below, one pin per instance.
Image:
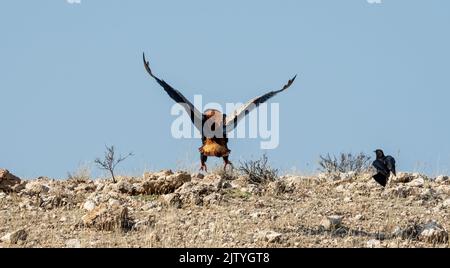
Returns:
(166, 209)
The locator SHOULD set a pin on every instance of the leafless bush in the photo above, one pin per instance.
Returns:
(258, 172)
(346, 162)
(82, 174)
(110, 162)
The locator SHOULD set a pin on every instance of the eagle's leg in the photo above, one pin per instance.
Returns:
(227, 162)
(203, 159)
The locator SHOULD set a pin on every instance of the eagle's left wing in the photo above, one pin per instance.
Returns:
(233, 119)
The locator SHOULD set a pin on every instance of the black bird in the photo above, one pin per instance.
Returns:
(384, 165)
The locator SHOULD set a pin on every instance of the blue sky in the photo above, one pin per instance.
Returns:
(370, 76)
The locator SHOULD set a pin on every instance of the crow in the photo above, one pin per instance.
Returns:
(385, 165)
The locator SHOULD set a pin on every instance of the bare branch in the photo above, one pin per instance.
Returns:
(259, 171)
(109, 162)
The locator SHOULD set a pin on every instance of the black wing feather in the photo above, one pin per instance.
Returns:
(194, 114)
(233, 119)
(390, 163)
(381, 167)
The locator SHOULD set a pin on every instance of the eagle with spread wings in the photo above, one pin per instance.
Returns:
(212, 124)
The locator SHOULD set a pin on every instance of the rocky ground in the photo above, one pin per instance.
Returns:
(167, 209)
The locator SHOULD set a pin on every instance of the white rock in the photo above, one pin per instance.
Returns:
(340, 188)
(73, 243)
(14, 237)
(432, 232)
(173, 199)
(241, 211)
(253, 189)
(427, 193)
(404, 177)
(124, 186)
(273, 237)
(348, 175)
(198, 176)
(166, 184)
(331, 222)
(100, 186)
(212, 177)
(226, 185)
(359, 217)
(373, 243)
(8, 181)
(151, 205)
(26, 204)
(438, 208)
(164, 173)
(419, 182)
(114, 202)
(269, 236)
(446, 203)
(108, 218)
(36, 187)
(443, 189)
(256, 215)
(441, 179)
(212, 198)
(352, 186)
(402, 191)
(89, 205)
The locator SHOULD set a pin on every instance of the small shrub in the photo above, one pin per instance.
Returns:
(110, 161)
(81, 175)
(258, 172)
(346, 162)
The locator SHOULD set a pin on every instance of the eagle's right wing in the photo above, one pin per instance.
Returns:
(194, 114)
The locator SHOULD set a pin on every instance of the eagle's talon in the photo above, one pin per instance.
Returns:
(204, 168)
(228, 163)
